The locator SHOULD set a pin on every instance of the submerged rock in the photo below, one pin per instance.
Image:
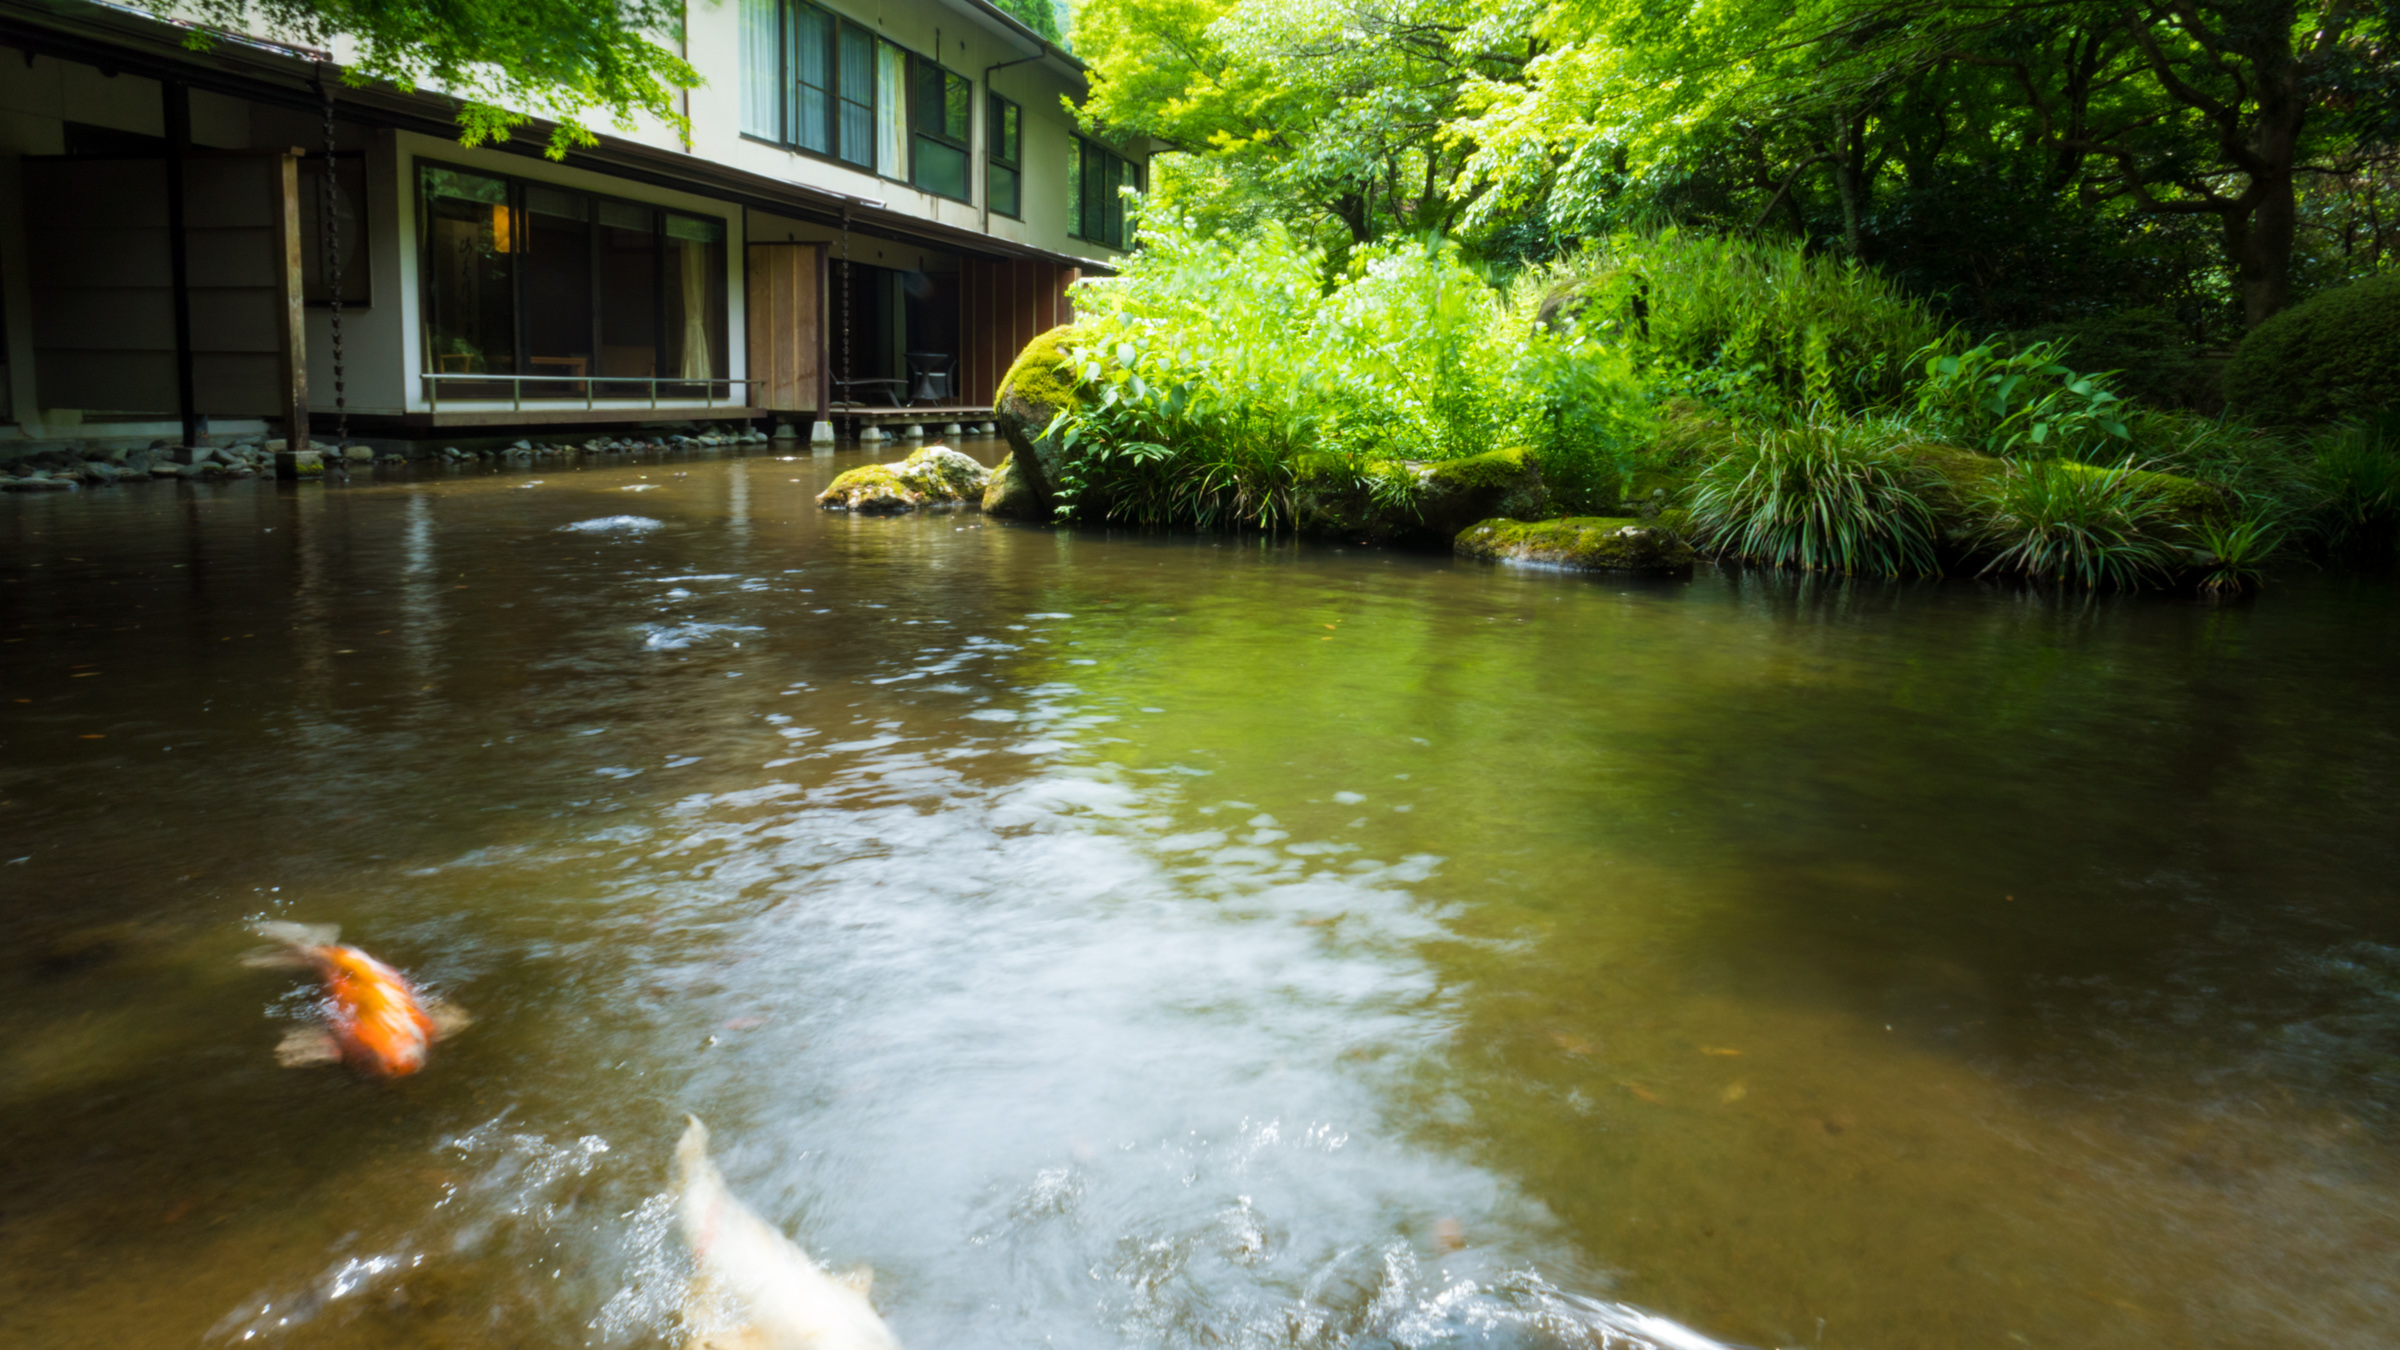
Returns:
(1434, 501)
(1580, 543)
(934, 476)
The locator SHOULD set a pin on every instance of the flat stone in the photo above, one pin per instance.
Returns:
(1580, 544)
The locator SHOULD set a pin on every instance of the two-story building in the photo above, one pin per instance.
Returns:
(878, 203)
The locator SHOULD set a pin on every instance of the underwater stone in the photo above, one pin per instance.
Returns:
(1580, 543)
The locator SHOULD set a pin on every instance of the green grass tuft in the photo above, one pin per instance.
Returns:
(1823, 496)
(2061, 522)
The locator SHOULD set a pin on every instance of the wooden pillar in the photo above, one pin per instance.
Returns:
(178, 111)
(291, 318)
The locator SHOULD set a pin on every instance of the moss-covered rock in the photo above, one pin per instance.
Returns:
(1428, 505)
(871, 489)
(1010, 494)
(2336, 354)
(1036, 388)
(1580, 543)
(934, 476)
(945, 475)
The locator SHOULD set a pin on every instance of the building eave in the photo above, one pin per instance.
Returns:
(118, 39)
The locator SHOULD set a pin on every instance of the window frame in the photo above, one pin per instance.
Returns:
(839, 27)
(1129, 173)
(964, 143)
(514, 187)
(789, 104)
(1014, 163)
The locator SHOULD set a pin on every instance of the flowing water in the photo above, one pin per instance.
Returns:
(1145, 940)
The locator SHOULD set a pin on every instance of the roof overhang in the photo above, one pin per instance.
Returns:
(115, 38)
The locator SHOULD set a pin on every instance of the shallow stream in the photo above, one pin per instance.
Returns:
(1117, 939)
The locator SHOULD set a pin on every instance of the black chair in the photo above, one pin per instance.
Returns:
(929, 376)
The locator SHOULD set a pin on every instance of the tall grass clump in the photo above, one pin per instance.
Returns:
(2060, 522)
(2234, 554)
(1748, 324)
(1824, 496)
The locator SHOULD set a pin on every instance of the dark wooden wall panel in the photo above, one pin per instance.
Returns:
(1006, 305)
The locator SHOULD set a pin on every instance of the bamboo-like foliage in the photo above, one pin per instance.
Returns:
(1821, 495)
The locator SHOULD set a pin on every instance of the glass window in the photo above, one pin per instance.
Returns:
(1096, 208)
(858, 96)
(470, 274)
(762, 69)
(569, 288)
(940, 113)
(1002, 181)
(812, 79)
(695, 297)
(891, 109)
(557, 265)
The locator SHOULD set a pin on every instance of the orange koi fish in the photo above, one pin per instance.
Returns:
(375, 1020)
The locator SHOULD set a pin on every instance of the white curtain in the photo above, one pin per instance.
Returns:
(891, 111)
(695, 309)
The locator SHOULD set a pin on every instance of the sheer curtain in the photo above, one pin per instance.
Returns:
(891, 111)
(695, 308)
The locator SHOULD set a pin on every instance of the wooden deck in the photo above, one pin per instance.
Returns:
(945, 412)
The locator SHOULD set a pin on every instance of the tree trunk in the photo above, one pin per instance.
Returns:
(2258, 242)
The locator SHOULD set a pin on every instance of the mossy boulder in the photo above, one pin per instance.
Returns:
(1038, 386)
(1429, 505)
(1010, 494)
(934, 476)
(1580, 544)
(2334, 355)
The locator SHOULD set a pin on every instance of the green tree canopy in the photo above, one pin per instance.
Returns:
(507, 60)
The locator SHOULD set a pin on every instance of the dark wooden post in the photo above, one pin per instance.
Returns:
(291, 319)
(178, 101)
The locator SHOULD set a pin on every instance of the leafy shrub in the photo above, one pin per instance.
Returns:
(2059, 521)
(1823, 496)
(2002, 402)
(1736, 321)
(2357, 477)
(2334, 355)
(1214, 370)
(2146, 353)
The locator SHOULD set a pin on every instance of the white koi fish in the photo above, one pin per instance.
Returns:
(753, 1277)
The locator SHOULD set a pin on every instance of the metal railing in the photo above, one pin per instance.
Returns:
(592, 398)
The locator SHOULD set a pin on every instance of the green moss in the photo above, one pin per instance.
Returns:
(1491, 469)
(2335, 355)
(2188, 500)
(943, 474)
(1580, 543)
(1042, 374)
(870, 488)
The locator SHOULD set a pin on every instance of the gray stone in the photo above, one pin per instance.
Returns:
(358, 454)
(300, 465)
(37, 483)
(821, 432)
(1010, 496)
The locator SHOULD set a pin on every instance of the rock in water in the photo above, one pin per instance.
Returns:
(1036, 388)
(1010, 495)
(1580, 543)
(1441, 498)
(934, 476)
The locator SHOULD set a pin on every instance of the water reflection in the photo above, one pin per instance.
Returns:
(1116, 939)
